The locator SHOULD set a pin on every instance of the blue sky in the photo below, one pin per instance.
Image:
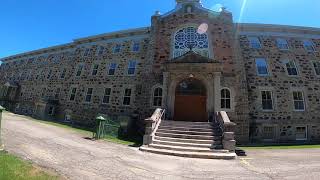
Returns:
(32, 24)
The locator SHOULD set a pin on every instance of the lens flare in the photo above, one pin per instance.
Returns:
(244, 3)
(203, 28)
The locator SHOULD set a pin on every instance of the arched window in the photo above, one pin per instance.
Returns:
(189, 38)
(157, 97)
(225, 99)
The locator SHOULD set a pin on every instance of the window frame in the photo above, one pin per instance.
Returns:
(71, 94)
(271, 98)
(109, 68)
(264, 137)
(295, 66)
(280, 44)
(136, 46)
(91, 95)
(252, 44)
(63, 72)
(130, 68)
(126, 96)
(306, 133)
(77, 70)
(315, 68)
(225, 99)
(159, 97)
(93, 69)
(309, 43)
(303, 100)
(104, 95)
(267, 67)
(117, 48)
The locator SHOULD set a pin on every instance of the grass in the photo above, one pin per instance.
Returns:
(280, 147)
(117, 140)
(12, 168)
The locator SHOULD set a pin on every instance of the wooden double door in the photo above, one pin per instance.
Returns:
(190, 101)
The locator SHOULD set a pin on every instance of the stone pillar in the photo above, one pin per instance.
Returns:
(165, 85)
(217, 87)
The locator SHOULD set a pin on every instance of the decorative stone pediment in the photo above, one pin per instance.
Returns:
(192, 62)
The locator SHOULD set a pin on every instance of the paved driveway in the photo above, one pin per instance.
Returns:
(74, 157)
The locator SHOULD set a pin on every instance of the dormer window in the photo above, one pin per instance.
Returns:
(189, 38)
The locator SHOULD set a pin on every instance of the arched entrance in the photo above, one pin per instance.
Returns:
(190, 101)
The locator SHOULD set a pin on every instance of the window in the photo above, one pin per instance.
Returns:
(225, 99)
(106, 96)
(255, 42)
(51, 111)
(298, 100)
(29, 75)
(57, 94)
(89, 95)
(157, 97)
(268, 133)
(127, 97)
(316, 66)
(112, 69)
(63, 73)
(73, 94)
(117, 48)
(190, 38)
(308, 45)
(86, 52)
(95, 68)
(79, 70)
(301, 133)
(282, 44)
(291, 68)
(136, 47)
(262, 67)
(266, 98)
(101, 50)
(132, 67)
(43, 92)
(49, 74)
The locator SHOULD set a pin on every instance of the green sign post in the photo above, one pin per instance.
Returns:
(1, 145)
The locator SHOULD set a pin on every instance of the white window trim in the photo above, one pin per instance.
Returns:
(70, 91)
(85, 96)
(132, 46)
(152, 95)
(257, 70)
(103, 94)
(259, 40)
(296, 66)
(92, 68)
(135, 68)
(312, 44)
(131, 97)
(272, 99)
(288, 46)
(53, 110)
(314, 69)
(232, 97)
(108, 69)
(303, 139)
(77, 68)
(114, 48)
(274, 133)
(304, 100)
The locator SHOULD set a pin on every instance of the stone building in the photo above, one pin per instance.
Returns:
(192, 62)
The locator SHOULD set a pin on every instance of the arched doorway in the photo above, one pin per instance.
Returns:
(190, 101)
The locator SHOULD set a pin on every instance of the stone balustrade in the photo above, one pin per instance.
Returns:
(228, 127)
(151, 125)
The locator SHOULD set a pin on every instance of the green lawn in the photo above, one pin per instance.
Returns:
(12, 168)
(280, 147)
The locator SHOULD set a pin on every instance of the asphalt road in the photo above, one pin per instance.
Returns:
(74, 157)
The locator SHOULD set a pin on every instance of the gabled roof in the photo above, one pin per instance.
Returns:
(192, 57)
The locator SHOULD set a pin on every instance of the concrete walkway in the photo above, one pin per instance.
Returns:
(75, 157)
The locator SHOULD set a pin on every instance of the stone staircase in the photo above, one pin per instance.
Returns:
(188, 139)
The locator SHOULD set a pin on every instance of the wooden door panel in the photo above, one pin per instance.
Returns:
(190, 108)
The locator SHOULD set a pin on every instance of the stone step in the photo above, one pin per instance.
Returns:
(187, 136)
(189, 149)
(183, 140)
(205, 126)
(202, 155)
(185, 144)
(184, 122)
(174, 131)
(210, 129)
